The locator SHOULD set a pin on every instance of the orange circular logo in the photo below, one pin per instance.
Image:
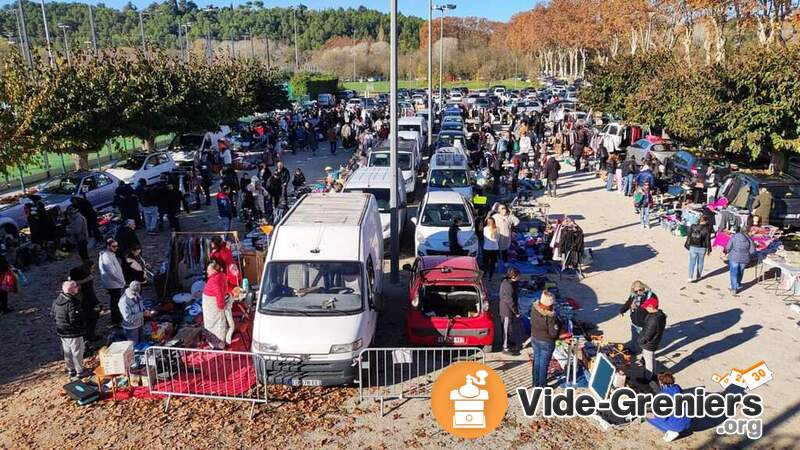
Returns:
(469, 400)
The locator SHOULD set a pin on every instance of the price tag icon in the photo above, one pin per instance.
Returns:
(757, 375)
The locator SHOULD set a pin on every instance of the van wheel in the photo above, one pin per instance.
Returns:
(10, 230)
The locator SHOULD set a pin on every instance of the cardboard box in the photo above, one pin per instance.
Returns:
(117, 358)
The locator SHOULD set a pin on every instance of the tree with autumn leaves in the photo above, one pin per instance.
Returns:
(76, 108)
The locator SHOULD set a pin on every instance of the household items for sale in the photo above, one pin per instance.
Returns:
(183, 297)
(81, 392)
(116, 359)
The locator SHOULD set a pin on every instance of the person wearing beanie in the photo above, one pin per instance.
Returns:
(132, 310)
(545, 329)
(650, 337)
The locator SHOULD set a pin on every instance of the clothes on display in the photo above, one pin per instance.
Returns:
(568, 243)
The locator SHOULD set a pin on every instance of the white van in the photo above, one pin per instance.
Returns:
(377, 181)
(320, 292)
(407, 160)
(413, 124)
(449, 171)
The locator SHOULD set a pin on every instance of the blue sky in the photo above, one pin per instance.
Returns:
(491, 9)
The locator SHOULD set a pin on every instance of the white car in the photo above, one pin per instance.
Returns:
(407, 160)
(147, 166)
(436, 214)
(354, 103)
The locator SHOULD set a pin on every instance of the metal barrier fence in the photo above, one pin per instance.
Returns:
(199, 373)
(404, 373)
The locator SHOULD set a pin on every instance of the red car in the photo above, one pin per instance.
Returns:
(449, 304)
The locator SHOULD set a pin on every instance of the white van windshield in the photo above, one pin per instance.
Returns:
(408, 128)
(312, 288)
(446, 178)
(382, 160)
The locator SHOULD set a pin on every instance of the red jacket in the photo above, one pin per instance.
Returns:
(217, 287)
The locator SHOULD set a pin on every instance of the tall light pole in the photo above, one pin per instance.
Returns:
(141, 32)
(91, 27)
(393, 197)
(186, 27)
(430, 74)
(233, 45)
(296, 51)
(354, 64)
(47, 36)
(252, 47)
(23, 35)
(266, 51)
(64, 29)
(442, 9)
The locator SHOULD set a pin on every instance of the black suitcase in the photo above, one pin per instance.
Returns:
(81, 392)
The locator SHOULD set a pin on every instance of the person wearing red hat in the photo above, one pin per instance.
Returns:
(650, 337)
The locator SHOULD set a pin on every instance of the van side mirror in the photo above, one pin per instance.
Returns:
(407, 267)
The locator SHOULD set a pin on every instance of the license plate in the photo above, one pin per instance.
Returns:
(312, 383)
(451, 340)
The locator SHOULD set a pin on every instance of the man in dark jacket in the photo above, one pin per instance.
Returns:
(545, 329)
(206, 178)
(650, 337)
(581, 141)
(628, 172)
(70, 320)
(126, 237)
(509, 308)
(452, 238)
(285, 177)
(88, 212)
(172, 205)
(125, 200)
(90, 305)
(551, 168)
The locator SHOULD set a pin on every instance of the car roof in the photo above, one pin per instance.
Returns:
(444, 197)
(768, 180)
(369, 177)
(449, 157)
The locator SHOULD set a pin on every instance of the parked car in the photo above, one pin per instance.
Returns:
(97, 187)
(408, 159)
(187, 149)
(660, 148)
(742, 190)
(449, 303)
(148, 166)
(354, 103)
(692, 169)
(436, 214)
(448, 139)
(452, 123)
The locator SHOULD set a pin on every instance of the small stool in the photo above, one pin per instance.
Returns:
(101, 376)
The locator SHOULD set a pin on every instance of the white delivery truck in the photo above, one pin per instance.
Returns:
(321, 290)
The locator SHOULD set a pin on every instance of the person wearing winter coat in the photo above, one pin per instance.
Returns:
(126, 237)
(655, 321)
(285, 176)
(275, 188)
(505, 222)
(639, 293)
(643, 201)
(545, 330)
(299, 179)
(112, 278)
(125, 200)
(8, 285)
(77, 232)
(225, 207)
(84, 276)
(698, 242)
(678, 422)
(259, 195)
(217, 316)
(740, 249)
(133, 312)
(149, 205)
(70, 321)
(88, 212)
(551, 168)
(509, 308)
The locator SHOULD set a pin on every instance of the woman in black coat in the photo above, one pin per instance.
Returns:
(545, 330)
(509, 308)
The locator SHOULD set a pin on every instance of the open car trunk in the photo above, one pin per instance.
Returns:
(450, 301)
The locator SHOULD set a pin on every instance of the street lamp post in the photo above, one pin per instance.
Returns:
(23, 35)
(64, 28)
(186, 27)
(442, 9)
(47, 37)
(296, 51)
(233, 45)
(393, 197)
(91, 27)
(266, 51)
(430, 75)
(141, 32)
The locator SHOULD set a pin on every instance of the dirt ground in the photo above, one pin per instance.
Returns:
(708, 332)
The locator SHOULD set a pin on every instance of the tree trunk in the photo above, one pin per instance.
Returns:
(687, 46)
(777, 163)
(82, 160)
(149, 144)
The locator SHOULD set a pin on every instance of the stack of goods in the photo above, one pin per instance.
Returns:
(766, 238)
